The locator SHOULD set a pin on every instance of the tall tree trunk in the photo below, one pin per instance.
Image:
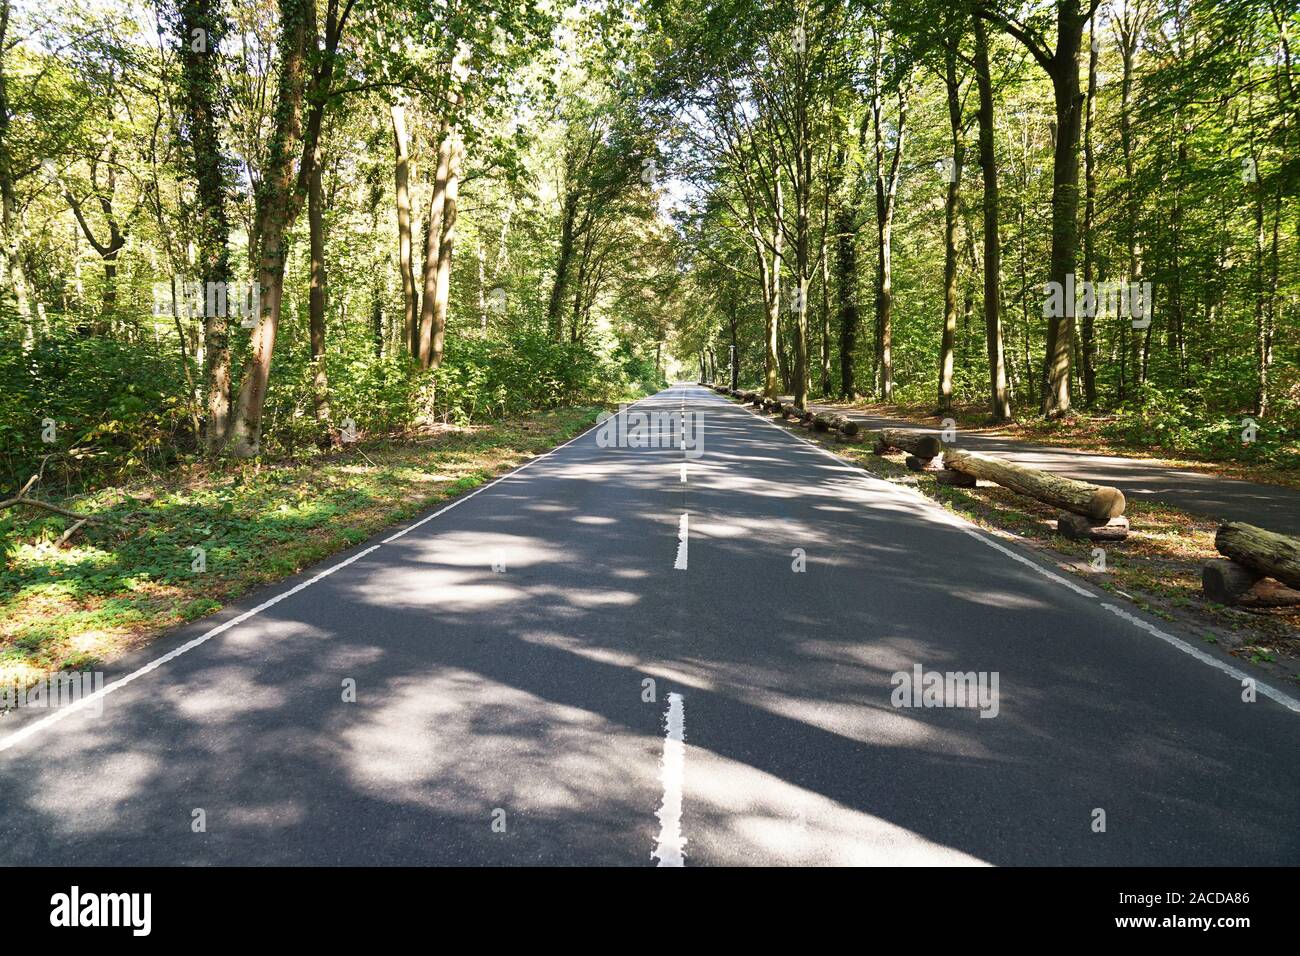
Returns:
(770, 275)
(1088, 348)
(1065, 199)
(11, 266)
(442, 287)
(886, 194)
(316, 298)
(949, 338)
(846, 278)
(1062, 67)
(278, 202)
(826, 318)
(406, 264)
(433, 246)
(999, 398)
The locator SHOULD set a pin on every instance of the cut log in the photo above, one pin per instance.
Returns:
(1078, 528)
(1232, 584)
(920, 464)
(957, 479)
(1092, 501)
(822, 422)
(1224, 581)
(1271, 554)
(849, 428)
(920, 444)
(879, 448)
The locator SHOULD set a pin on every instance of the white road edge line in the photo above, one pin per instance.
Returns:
(1288, 702)
(683, 540)
(31, 729)
(1281, 697)
(670, 846)
(35, 727)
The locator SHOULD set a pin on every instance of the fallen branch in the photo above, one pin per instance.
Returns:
(22, 499)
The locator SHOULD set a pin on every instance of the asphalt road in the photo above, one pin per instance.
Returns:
(1228, 499)
(501, 716)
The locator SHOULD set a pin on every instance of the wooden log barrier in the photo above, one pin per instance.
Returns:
(1097, 502)
(1227, 582)
(1265, 552)
(921, 444)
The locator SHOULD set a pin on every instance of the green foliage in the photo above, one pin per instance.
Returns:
(116, 405)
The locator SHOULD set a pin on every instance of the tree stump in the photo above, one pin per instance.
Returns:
(1078, 528)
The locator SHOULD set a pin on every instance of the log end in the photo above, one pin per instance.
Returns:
(1106, 503)
(1078, 528)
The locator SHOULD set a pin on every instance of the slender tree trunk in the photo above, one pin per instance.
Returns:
(402, 180)
(442, 287)
(999, 398)
(886, 194)
(948, 342)
(1065, 200)
(1088, 348)
(277, 206)
(433, 246)
(316, 299)
(770, 273)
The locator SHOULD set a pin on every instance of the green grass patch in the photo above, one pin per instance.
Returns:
(165, 553)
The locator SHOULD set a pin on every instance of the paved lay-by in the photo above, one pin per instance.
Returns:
(1228, 499)
(502, 655)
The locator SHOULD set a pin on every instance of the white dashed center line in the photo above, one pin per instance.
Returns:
(683, 533)
(669, 848)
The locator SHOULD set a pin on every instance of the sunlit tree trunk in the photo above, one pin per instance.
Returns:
(406, 264)
(999, 397)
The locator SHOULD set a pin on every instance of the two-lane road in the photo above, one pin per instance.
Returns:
(513, 659)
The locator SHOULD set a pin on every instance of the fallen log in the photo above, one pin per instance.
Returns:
(1078, 528)
(848, 427)
(1229, 583)
(920, 464)
(1098, 502)
(1267, 552)
(822, 422)
(920, 444)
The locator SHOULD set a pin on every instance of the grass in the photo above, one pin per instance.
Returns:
(120, 583)
(1158, 567)
(1087, 432)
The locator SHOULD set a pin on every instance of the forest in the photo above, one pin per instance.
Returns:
(233, 229)
(1043, 210)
